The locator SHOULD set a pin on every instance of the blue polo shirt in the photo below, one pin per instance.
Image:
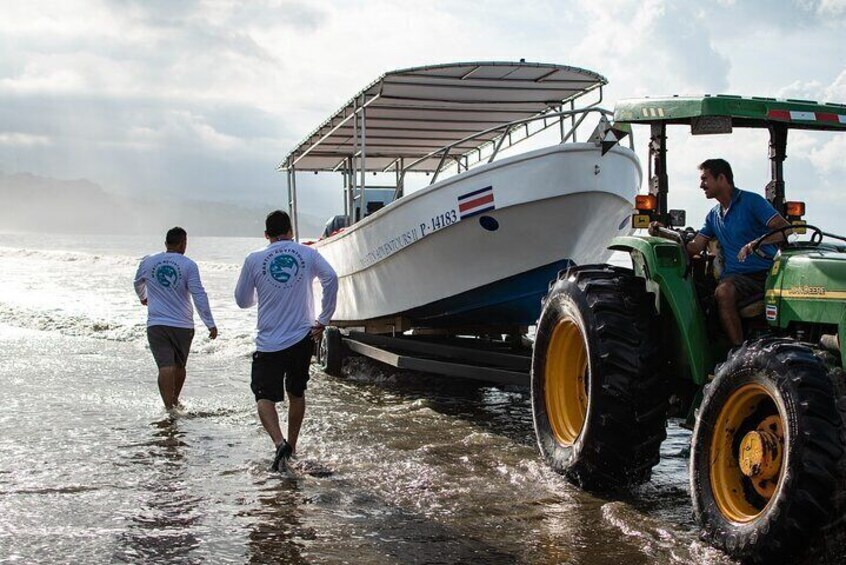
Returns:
(743, 221)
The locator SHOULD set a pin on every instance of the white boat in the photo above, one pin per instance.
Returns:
(478, 248)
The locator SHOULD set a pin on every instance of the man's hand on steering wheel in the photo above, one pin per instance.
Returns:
(754, 246)
(653, 228)
(746, 250)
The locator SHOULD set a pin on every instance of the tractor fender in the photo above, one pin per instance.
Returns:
(663, 263)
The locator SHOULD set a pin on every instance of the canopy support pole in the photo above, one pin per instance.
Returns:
(350, 174)
(353, 161)
(440, 166)
(290, 194)
(561, 122)
(400, 179)
(346, 194)
(294, 219)
(573, 119)
(499, 144)
(363, 155)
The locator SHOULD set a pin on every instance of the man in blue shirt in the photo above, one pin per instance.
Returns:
(739, 218)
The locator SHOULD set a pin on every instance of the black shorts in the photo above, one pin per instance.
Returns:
(275, 372)
(748, 285)
(170, 346)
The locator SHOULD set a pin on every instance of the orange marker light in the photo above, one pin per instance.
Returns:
(796, 209)
(646, 202)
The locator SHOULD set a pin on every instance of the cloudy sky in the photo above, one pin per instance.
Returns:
(202, 99)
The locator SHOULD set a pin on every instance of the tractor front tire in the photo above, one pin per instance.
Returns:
(599, 402)
(766, 449)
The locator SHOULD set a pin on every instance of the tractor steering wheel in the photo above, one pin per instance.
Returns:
(816, 238)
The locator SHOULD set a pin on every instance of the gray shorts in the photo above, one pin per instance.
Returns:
(748, 285)
(170, 346)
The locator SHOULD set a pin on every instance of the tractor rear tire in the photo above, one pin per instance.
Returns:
(766, 449)
(829, 545)
(599, 402)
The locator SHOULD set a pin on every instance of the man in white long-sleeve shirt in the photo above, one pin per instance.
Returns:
(279, 277)
(165, 283)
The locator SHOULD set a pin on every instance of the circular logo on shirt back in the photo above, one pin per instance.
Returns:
(166, 275)
(283, 268)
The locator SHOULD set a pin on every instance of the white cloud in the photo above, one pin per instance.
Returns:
(829, 157)
(185, 50)
(816, 89)
(832, 8)
(652, 47)
(836, 91)
(802, 90)
(14, 139)
(56, 23)
(182, 128)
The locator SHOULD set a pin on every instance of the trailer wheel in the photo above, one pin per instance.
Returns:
(766, 447)
(332, 351)
(598, 401)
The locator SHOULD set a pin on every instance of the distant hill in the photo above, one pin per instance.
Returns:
(32, 203)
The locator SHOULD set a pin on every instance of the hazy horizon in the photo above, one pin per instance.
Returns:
(39, 204)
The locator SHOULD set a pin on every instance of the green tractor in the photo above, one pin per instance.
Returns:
(619, 351)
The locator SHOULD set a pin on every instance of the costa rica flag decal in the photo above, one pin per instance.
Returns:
(772, 312)
(476, 202)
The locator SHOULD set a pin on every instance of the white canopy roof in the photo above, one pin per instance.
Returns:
(410, 113)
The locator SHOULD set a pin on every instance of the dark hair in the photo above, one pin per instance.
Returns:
(175, 236)
(277, 223)
(718, 167)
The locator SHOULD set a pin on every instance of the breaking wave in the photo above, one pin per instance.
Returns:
(232, 343)
(70, 324)
(62, 256)
(66, 256)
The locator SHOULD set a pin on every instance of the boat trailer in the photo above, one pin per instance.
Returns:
(476, 358)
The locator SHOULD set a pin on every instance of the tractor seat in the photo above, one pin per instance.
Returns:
(752, 307)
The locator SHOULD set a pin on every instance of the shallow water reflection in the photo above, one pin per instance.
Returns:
(277, 533)
(163, 527)
(394, 468)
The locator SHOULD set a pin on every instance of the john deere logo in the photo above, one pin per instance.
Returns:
(283, 268)
(167, 276)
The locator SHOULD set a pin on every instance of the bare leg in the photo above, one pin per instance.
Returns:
(296, 412)
(178, 381)
(167, 381)
(270, 420)
(726, 297)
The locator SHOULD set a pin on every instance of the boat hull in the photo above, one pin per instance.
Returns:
(482, 246)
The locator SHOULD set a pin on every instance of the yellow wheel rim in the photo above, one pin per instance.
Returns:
(746, 453)
(565, 382)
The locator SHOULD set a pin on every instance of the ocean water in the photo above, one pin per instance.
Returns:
(394, 467)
